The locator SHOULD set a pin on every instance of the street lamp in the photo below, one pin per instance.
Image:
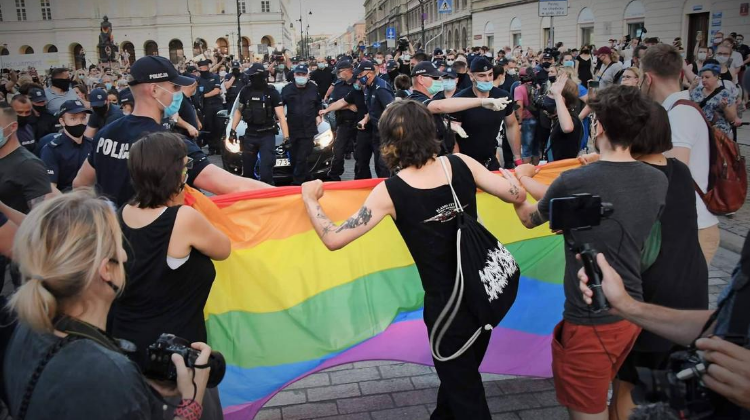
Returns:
(239, 31)
(421, 10)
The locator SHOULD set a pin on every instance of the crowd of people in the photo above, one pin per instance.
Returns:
(95, 236)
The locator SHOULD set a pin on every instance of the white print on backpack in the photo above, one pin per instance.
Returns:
(114, 149)
(499, 266)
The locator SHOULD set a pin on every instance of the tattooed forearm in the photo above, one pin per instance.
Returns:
(536, 218)
(361, 218)
(327, 224)
(514, 190)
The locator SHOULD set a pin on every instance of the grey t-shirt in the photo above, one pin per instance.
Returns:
(608, 77)
(637, 193)
(84, 380)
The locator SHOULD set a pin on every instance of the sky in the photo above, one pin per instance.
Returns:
(329, 16)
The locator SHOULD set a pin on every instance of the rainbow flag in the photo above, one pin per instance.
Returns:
(283, 306)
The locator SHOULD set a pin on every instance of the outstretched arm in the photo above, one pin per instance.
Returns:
(376, 207)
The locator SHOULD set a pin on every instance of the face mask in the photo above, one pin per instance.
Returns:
(437, 86)
(484, 86)
(235, 71)
(740, 41)
(108, 86)
(222, 74)
(450, 62)
(39, 108)
(100, 110)
(357, 86)
(379, 61)
(3, 138)
(75, 130)
(363, 80)
(722, 59)
(488, 55)
(570, 63)
(683, 55)
(280, 67)
(552, 79)
(322, 66)
(546, 65)
(300, 80)
(702, 56)
(174, 107)
(512, 72)
(62, 84)
(449, 85)
(405, 57)
(23, 121)
(718, 40)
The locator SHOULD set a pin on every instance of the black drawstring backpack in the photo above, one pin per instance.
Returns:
(486, 272)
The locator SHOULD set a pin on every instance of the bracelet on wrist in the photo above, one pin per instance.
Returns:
(189, 410)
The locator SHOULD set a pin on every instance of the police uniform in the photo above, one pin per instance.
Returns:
(46, 123)
(240, 81)
(444, 134)
(64, 157)
(207, 82)
(302, 105)
(346, 120)
(258, 110)
(378, 95)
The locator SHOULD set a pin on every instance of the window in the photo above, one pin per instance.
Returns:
(546, 38)
(635, 29)
(1, 14)
(265, 6)
(517, 39)
(21, 9)
(242, 6)
(46, 10)
(587, 35)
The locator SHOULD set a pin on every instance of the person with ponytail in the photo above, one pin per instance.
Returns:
(59, 362)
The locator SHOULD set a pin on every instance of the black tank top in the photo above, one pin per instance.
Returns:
(157, 299)
(426, 220)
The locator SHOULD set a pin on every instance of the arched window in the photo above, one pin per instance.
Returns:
(4, 51)
(199, 46)
(634, 15)
(586, 25)
(515, 32)
(176, 53)
(222, 45)
(50, 48)
(150, 48)
(245, 47)
(464, 37)
(26, 50)
(130, 48)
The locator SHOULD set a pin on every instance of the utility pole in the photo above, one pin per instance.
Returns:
(421, 10)
(239, 32)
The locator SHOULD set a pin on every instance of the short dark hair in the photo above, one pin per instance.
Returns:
(156, 163)
(408, 135)
(58, 71)
(420, 56)
(402, 82)
(459, 65)
(663, 60)
(656, 135)
(21, 99)
(497, 71)
(622, 111)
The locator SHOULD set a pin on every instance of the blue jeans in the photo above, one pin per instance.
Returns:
(529, 145)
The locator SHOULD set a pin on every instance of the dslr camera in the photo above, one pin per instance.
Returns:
(403, 44)
(159, 364)
(576, 213)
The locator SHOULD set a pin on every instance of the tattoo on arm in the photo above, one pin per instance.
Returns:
(514, 190)
(536, 218)
(328, 225)
(361, 218)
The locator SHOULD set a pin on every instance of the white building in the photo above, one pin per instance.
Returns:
(47, 33)
(500, 23)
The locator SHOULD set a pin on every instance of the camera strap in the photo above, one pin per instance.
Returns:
(72, 326)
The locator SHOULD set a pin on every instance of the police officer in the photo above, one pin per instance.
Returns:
(234, 81)
(259, 106)
(65, 154)
(46, 123)
(322, 76)
(303, 103)
(186, 122)
(346, 117)
(378, 95)
(104, 112)
(126, 101)
(210, 86)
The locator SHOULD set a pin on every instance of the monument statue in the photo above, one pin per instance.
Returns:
(107, 46)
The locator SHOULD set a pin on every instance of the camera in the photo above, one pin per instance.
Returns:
(576, 213)
(403, 44)
(159, 364)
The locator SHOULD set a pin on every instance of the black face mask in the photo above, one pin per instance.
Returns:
(546, 65)
(23, 121)
(100, 110)
(258, 81)
(40, 108)
(205, 73)
(62, 84)
(235, 71)
(552, 79)
(76, 130)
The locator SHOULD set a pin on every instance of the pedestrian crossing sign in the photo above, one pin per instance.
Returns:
(445, 6)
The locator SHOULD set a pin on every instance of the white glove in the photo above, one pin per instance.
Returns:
(456, 127)
(495, 104)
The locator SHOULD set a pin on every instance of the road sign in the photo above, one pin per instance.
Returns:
(376, 45)
(390, 33)
(445, 6)
(553, 8)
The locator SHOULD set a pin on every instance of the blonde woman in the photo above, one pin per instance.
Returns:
(631, 76)
(69, 251)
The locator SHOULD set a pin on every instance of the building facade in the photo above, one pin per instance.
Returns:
(420, 21)
(500, 23)
(53, 32)
(349, 40)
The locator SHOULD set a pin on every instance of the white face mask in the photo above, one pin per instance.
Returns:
(222, 73)
(722, 59)
(702, 56)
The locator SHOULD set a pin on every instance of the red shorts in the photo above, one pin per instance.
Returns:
(582, 368)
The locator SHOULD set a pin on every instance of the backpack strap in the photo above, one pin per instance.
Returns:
(705, 100)
(711, 143)
(457, 203)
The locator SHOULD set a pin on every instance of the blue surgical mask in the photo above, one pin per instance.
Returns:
(3, 138)
(569, 63)
(363, 80)
(357, 86)
(449, 85)
(322, 66)
(484, 86)
(437, 86)
(174, 107)
(280, 67)
(108, 86)
(300, 80)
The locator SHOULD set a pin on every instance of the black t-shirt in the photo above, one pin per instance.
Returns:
(84, 380)
(63, 158)
(113, 114)
(566, 145)
(481, 125)
(110, 156)
(23, 178)
(324, 79)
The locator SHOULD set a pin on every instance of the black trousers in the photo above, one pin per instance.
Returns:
(346, 133)
(368, 146)
(507, 153)
(300, 151)
(262, 145)
(213, 125)
(461, 393)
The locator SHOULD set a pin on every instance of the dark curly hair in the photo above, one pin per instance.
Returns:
(156, 168)
(622, 111)
(407, 134)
